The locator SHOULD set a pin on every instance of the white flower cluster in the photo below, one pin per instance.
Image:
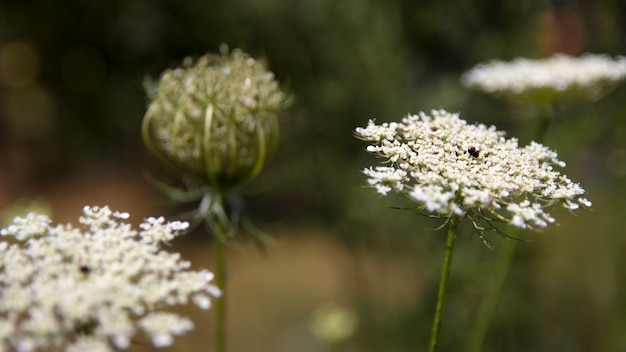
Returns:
(93, 288)
(554, 79)
(451, 167)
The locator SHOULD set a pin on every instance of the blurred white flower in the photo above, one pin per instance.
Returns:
(92, 288)
(560, 78)
(448, 166)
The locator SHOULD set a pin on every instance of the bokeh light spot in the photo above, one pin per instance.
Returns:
(19, 64)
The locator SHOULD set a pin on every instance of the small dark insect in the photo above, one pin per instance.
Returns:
(85, 269)
(474, 152)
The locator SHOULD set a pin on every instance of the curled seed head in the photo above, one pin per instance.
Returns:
(215, 118)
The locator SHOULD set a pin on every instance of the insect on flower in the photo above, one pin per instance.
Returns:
(85, 269)
(474, 152)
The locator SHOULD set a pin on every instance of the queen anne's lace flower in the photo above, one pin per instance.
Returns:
(216, 118)
(560, 78)
(93, 288)
(451, 167)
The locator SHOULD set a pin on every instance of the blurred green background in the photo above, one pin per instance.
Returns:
(347, 273)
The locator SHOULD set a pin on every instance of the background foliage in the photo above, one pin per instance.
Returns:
(72, 100)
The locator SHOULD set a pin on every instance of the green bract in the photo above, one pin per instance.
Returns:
(215, 119)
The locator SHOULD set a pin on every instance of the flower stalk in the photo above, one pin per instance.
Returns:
(221, 282)
(488, 306)
(220, 308)
(443, 284)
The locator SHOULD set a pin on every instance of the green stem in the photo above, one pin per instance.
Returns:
(546, 115)
(221, 229)
(489, 304)
(220, 309)
(443, 284)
